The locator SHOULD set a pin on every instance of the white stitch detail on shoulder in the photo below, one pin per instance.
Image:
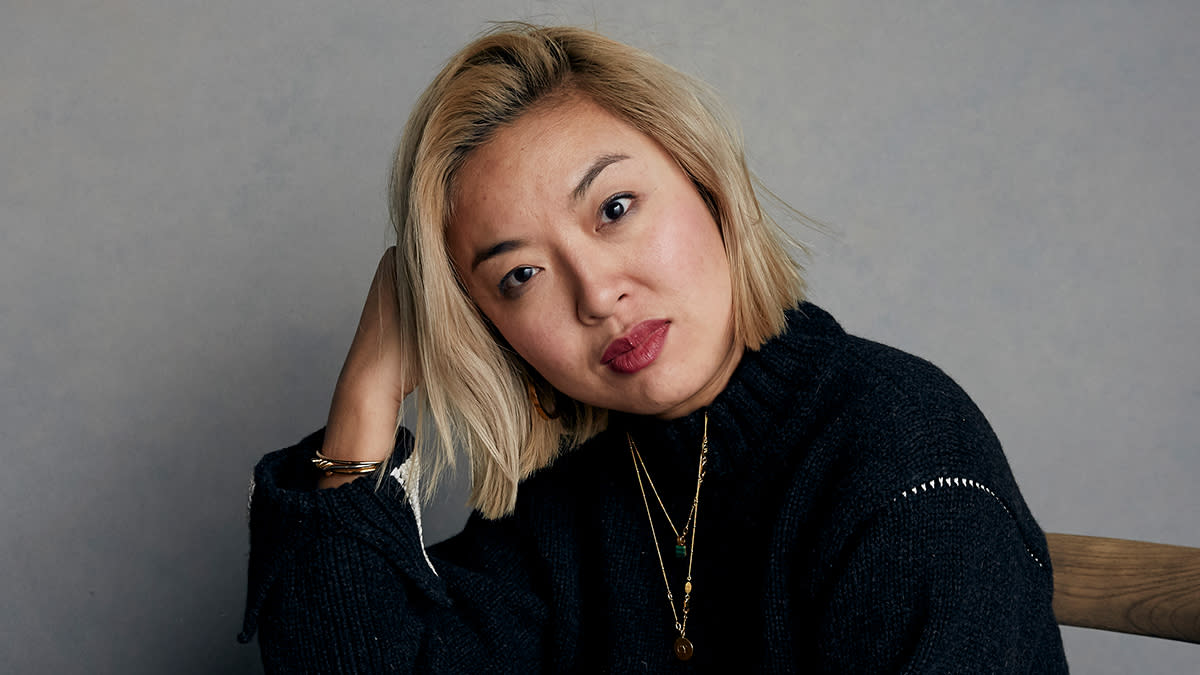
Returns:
(249, 498)
(942, 481)
(408, 475)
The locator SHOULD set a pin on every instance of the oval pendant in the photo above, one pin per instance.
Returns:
(683, 648)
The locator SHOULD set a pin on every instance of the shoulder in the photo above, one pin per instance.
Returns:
(815, 368)
(912, 422)
(892, 433)
(902, 399)
(878, 398)
(883, 406)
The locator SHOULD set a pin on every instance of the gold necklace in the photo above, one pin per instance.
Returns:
(683, 646)
(680, 537)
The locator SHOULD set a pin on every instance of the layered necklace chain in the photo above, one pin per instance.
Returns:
(683, 646)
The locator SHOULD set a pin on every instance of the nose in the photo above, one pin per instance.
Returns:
(599, 284)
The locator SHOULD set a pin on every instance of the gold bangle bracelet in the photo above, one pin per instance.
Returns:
(344, 466)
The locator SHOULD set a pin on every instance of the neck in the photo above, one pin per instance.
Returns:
(710, 389)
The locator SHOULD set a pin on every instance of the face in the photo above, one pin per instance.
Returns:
(595, 257)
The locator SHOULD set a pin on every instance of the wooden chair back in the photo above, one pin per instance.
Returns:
(1127, 586)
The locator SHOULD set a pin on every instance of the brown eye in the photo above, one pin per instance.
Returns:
(615, 207)
(512, 282)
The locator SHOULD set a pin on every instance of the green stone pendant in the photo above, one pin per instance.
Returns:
(680, 551)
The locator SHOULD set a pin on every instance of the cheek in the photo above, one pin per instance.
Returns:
(540, 342)
(692, 250)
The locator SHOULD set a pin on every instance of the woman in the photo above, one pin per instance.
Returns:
(676, 462)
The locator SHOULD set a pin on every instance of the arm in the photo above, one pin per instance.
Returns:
(346, 607)
(339, 581)
(374, 380)
(941, 581)
(916, 573)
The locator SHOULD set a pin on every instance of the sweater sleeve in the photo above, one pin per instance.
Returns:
(339, 580)
(941, 580)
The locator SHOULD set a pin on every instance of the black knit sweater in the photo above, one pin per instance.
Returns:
(857, 515)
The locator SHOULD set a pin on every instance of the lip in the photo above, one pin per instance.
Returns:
(638, 348)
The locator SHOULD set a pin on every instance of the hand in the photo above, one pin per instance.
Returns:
(372, 385)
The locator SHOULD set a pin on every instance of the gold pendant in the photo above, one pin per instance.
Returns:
(683, 648)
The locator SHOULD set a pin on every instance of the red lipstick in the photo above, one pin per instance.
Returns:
(638, 348)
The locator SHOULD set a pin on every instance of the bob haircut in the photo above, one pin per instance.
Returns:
(473, 387)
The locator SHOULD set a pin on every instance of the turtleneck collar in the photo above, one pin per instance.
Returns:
(768, 383)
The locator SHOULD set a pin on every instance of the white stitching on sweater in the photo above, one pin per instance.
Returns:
(943, 481)
(249, 498)
(408, 475)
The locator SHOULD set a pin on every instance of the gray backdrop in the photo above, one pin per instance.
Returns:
(192, 203)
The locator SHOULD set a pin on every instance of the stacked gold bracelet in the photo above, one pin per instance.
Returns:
(346, 466)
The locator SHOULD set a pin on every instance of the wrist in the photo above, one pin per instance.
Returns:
(359, 432)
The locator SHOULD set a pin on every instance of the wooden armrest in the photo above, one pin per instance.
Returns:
(1127, 586)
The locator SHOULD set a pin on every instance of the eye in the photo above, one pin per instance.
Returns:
(510, 285)
(616, 207)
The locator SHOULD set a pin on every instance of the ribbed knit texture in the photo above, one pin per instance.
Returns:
(857, 515)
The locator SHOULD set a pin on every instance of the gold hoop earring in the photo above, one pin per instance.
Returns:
(537, 404)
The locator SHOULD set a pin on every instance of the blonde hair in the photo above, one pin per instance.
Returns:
(474, 388)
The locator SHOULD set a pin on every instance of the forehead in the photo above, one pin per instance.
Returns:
(547, 150)
(532, 166)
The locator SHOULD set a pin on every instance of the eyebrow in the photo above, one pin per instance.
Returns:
(494, 250)
(593, 172)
